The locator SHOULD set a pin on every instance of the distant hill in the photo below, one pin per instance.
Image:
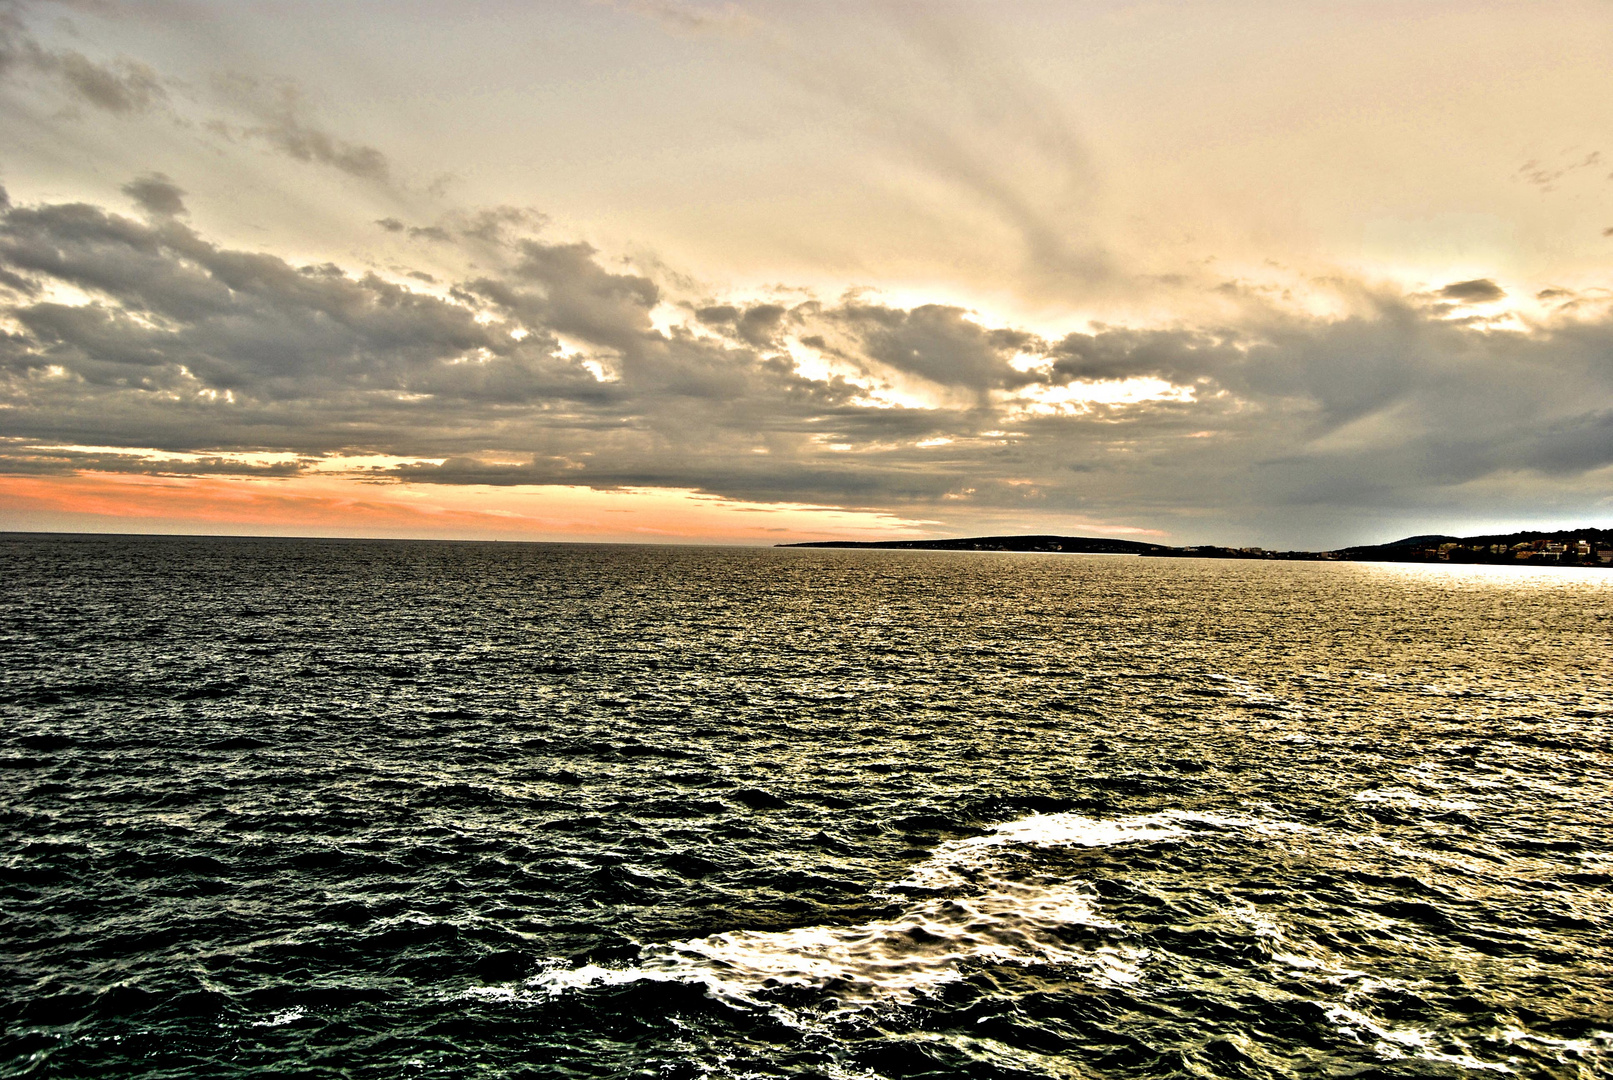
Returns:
(1079, 545)
(1419, 541)
(1529, 546)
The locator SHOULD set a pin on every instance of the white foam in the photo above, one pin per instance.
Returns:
(944, 868)
(1295, 960)
(1388, 1042)
(1408, 799)
(980, 910)
(1393, 1043)
(930, 943)
(280, 1019)
(981, 914)
(956, 863)
(1596, 1047)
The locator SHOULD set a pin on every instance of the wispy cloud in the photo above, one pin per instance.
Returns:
(1547, 175)
(284, 123)
(119, 85)
(692, 18)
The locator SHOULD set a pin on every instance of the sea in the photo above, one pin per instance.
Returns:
(325, 808)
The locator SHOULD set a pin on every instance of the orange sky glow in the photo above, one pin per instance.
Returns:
(341, 506)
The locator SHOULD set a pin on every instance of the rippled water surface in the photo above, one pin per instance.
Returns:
(372, 809)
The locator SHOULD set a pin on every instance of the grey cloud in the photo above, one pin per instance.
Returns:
(285, 126)
(25, 459)
(280, 119)
(1477, 291)
(124, 86)
(121, 86)
(717, 314)
(1179, 357)
(297, 139)
(239, 320)
(496, 227)
(157, 194)
(939, 343)
(191, 346)
(760, 324)
(1574, 444)
(564, 287)
(757, 324)
(497, 224)
(17, 283)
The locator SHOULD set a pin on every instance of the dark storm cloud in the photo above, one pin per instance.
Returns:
(552, 365)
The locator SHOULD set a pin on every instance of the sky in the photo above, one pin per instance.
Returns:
(1295, 275)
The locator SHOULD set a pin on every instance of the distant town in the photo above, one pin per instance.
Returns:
(1569, 547)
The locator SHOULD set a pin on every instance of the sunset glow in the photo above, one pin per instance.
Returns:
(329, 506)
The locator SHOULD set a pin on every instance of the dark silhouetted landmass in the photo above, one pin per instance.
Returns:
(1212, 551)
(1081, 545)
(1564, 547)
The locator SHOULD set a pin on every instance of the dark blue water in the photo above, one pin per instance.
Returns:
(385, 809)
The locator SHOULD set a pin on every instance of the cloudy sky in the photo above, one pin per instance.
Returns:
(1287, 274)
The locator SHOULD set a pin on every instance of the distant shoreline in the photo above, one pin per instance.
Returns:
(1588, 548)
(1564, 547)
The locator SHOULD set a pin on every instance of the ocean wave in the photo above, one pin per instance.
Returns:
(984, 910)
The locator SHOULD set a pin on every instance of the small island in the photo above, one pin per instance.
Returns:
(1565, 547)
